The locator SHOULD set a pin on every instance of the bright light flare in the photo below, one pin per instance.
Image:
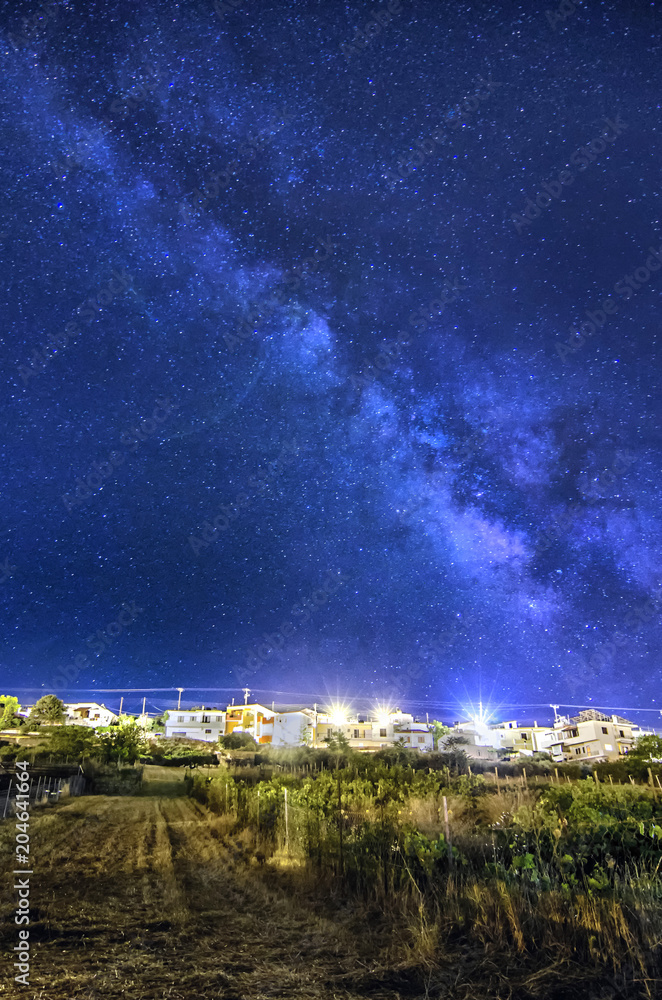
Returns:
(339, 713)
(383, 713)
(481, 720)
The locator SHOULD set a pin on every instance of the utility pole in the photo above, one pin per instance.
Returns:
(144, 700)
(121, 703)
(556, 713)
(179, 700)
(246, 691)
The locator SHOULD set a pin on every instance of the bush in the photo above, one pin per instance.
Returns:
(237, 741)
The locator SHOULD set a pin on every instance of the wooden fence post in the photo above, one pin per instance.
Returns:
(287, 829)
(448, 832)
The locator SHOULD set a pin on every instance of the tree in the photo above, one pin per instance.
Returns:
(48, 709)
(438, 730)
(339, 746)
(237, 741)
(9, 706)
(126, 742)
(77, 742)
(305, 735)
(647, 749)
(454, 742)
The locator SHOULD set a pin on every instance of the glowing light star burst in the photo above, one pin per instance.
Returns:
(480, 718)
(339, 713)
(383, 713)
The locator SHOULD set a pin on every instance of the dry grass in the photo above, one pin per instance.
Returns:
(140, 898)
(156, 898)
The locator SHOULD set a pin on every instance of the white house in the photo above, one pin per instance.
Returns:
(89, 713)
(197, 724)
(366, 733)
(593, 736)
(523, 740)
(291, 728)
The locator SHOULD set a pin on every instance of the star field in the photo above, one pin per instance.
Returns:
(286, 300)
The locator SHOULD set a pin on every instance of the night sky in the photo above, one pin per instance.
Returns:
(295, 393)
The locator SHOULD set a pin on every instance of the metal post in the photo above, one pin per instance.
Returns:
(258, 809)
(7, 799)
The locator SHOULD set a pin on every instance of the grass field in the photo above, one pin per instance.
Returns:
(157, 897)
(137, 897)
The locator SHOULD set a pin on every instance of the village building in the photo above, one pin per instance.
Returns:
(593, 736)
(523, 740)
(196, 724)
(89, 713)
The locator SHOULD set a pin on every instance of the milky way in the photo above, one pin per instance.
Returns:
(330, 350)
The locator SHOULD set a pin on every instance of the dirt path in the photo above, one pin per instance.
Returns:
(136, 897)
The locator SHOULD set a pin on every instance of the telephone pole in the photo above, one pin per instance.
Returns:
(179, 700)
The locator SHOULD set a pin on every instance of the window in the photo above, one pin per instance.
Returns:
(382, 732)
(525, 736)
(205, 718)
(180, 718)
(605, 730)
(578, 749)
(208, 730)
(356, 734)
(621, 733)
(608, 746)
(421, 739)
(219, 718)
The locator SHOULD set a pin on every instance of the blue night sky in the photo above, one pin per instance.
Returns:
(316, 377)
